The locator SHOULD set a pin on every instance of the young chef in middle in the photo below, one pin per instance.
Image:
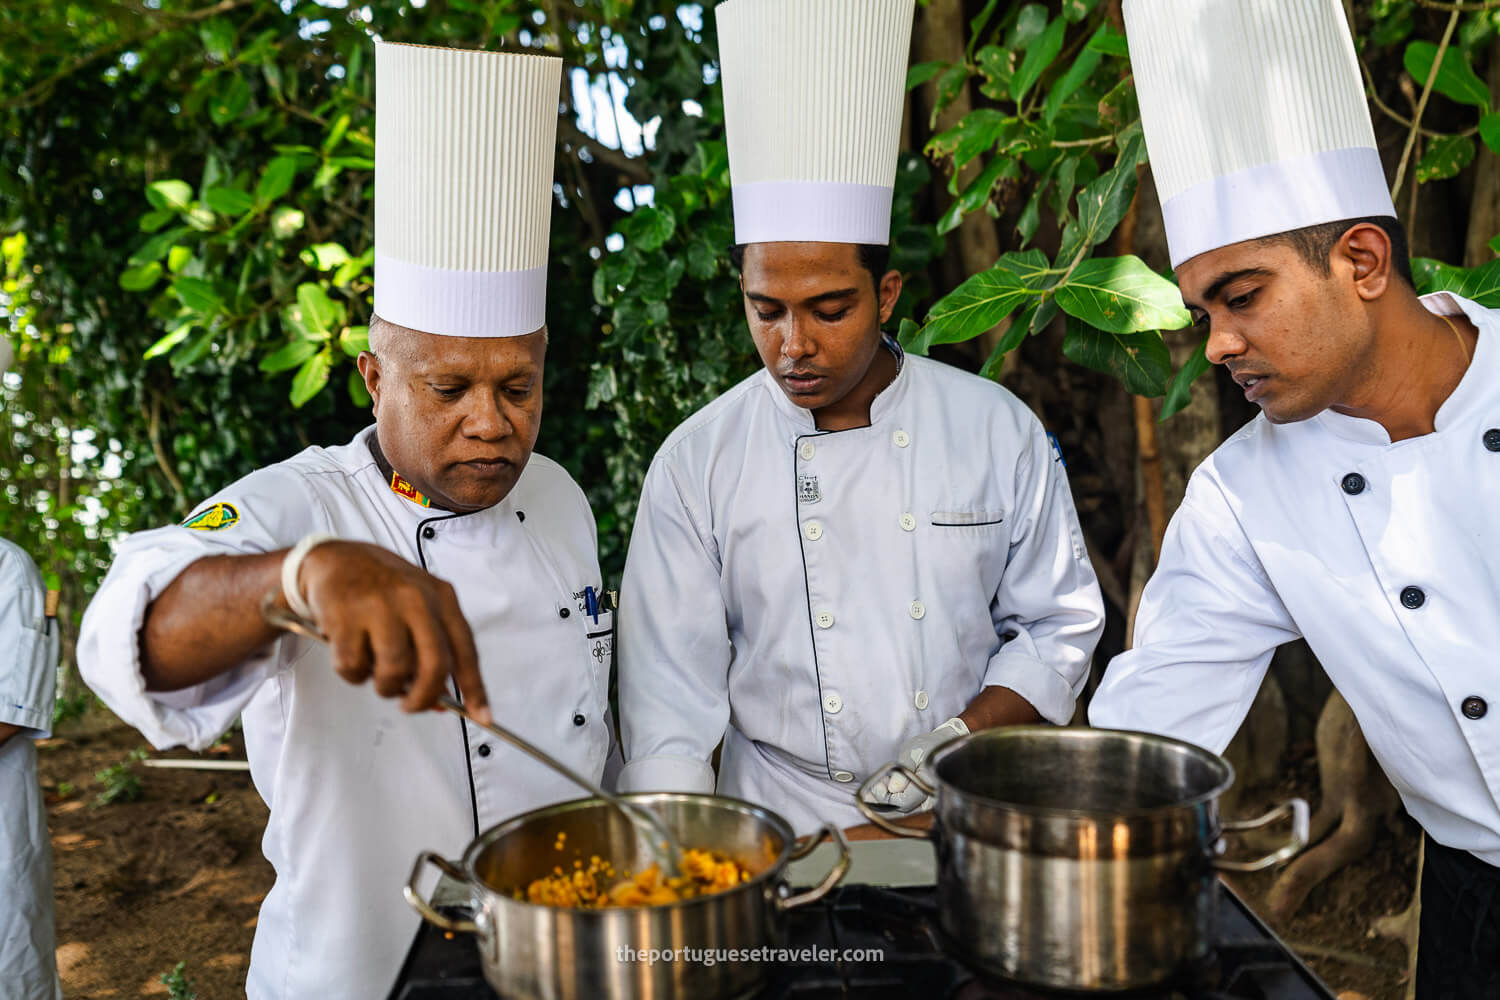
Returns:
(854, 555)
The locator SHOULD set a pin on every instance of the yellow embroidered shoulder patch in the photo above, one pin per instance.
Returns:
(215, 518)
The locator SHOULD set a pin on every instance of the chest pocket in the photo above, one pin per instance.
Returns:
(968, 518)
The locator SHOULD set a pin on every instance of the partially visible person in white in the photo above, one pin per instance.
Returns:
(28, 676)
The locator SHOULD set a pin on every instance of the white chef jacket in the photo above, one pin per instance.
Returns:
(28, 678)
(827, 596)
(357, 788)
(1384, 557)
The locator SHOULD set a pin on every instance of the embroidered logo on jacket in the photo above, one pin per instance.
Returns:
(807, 489)
(402, 488)
(215, 518)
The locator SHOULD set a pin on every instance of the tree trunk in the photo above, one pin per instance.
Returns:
(1484, 207)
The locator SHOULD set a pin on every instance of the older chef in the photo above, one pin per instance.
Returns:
(1357, 511)
(853, 555)
(433, 545)
(28, 674)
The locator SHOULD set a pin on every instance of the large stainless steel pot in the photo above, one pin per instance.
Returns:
(552, 953)
(1081, 858)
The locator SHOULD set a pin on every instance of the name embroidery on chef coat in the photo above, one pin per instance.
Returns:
(402, 488)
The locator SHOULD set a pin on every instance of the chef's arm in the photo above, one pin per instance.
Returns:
(998, 706)
(672, 645)
(1208, 623)
(386, 620)
(7, 731)
(1047, 609)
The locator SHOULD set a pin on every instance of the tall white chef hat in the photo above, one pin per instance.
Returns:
(464, 147)
(1255, 118)
(813, 95)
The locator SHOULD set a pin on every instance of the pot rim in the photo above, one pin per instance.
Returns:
(1079, 733)
(480, 843)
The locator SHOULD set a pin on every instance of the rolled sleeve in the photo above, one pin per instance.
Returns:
(274, 508)
(1048, 601)
(667, 774)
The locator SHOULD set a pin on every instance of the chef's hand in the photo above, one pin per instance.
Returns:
(914, 753)
(392, 622)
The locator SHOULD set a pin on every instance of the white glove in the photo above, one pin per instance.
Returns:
(914, 754)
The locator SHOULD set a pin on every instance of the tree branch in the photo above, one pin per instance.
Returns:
(29, 97)
(631, 167)
(1416, 123)
(1460, 7)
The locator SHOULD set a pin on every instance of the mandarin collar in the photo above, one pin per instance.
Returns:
(880, 407)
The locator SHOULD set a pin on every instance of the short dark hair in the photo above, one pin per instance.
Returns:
(872, 257)
(1314, 244)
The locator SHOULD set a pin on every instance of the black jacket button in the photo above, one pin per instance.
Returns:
(563, 612)
(1492, 439)
(578, 719)
(1413, 598)
(1353, 484)
(1474, 707)
(484, 750)
(429, 532)
(520, 515)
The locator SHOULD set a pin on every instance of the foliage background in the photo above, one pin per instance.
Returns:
(185, 207)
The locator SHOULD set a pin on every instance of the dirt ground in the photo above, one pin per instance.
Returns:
(178, 877)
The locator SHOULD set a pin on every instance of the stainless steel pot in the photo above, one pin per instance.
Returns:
(552, 953)
(1081, 858)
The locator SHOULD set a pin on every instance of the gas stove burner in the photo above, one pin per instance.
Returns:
(1248, 962)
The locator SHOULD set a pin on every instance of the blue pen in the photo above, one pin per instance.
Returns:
(591, 604)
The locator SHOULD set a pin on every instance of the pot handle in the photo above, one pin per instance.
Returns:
(1297, 809)
(426, 909)
(869, 812)
(801, 848)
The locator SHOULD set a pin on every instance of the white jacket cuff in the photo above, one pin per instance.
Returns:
(667, 774)
(1049, 692)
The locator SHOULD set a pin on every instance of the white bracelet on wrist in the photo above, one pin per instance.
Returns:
(292, 565)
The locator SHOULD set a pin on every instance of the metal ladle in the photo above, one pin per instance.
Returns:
(660, 845)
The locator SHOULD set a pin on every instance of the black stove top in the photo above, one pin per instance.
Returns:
(1248, 962)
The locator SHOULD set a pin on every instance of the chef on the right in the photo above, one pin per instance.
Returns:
(1360, 510)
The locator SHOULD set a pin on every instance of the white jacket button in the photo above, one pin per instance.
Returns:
(813, 530)
(901, 439)
(908, 522)
(807, 451)
(917, 610)
(920, 700)
(843, 776)
(824, 619)
(832, 703)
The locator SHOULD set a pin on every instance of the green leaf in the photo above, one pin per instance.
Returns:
(218, 39)
(192, 351)
(319, 313)
(1039, 56)
(336, 133)
(1445, 157)
(975, 133)
(276, 180)
(1495, 245)
(948, 86)
(1077, 75)
(138, 279)
(1489, 131)
(231, 101)
(1008, 342)
(1031, 22)
(603, 386)
(1077, 10)
(359, 394)
(1109, 42)
(171, 340)
(1104, 202)
(1482, 283)
(922, 72)
(178, 257)
(981, 302)
(998, 66)
(157, 246)
(152, 221)
(1455, 77)
(311, 377)
(197, 295)
(325, 256)
(1180, 389)
(286, 221)
(978, 192)
(228, 201)
(648, 227)
(173, 195)
(1122, 295)
(354, 339)
(1139, 360)
(288, 356)
(702, 261)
